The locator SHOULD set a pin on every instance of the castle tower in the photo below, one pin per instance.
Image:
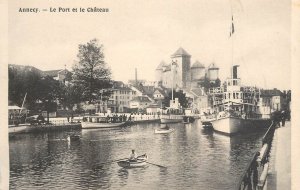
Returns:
(183, 61)
(213, 72)
(197, 71)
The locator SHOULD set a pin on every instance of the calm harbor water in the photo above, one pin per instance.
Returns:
(195, 159)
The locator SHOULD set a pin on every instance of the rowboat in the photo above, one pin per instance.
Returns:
(163, 131)
(140, 162)
(188, 119)
(207, 125)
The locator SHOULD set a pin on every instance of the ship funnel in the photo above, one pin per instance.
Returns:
(235, 72)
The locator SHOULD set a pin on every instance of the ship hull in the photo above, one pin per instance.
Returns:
(232, 125)
(171, 120)
(18, 129)
(91, 125)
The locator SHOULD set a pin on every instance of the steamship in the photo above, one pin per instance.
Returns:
(238, 108)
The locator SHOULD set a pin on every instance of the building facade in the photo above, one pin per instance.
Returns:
(120, 98)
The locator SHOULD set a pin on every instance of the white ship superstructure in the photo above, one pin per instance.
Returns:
(236, 107)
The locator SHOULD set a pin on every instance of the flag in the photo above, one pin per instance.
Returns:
(232, 27)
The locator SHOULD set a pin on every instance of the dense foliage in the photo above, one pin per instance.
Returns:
(176, 94)
(90, 82)
(91, 73)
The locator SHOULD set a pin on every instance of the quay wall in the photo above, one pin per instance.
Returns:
(255, 174)
(53, 127)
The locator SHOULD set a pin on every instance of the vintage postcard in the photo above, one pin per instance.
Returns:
(131, 94)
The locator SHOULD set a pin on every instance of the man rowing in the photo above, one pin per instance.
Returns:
(133, 156)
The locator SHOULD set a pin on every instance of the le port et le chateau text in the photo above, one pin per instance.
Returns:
(65, 10)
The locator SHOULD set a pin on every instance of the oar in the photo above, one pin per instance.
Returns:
(101, 164)
(156, 165)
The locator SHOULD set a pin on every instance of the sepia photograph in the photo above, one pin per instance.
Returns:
(131, 94)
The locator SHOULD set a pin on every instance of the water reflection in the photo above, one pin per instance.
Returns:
(195, 158)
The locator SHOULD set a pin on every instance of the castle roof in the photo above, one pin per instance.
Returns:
(213, 66)
(161, 65)
(197, 64)
(180, 52)
(167, 68)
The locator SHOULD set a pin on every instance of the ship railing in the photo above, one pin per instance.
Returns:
(216, 90)
(258, 163)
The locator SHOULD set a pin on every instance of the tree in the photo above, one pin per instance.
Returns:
(181, 98)
(50, 92)
(22, 81)
(209, 84)
(90, 72)
(70, 95)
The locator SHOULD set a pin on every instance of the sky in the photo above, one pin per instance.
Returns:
(140, 34)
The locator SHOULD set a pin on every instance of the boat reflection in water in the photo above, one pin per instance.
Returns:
(195, 159)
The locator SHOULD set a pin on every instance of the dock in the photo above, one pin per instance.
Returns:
(279, 175)
(272, 163)
(59, 124)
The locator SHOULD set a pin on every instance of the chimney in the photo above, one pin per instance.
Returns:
(136, 76)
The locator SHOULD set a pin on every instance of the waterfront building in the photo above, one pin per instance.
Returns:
(200, 102)
(120, 98)
(273, 98)
(140, 103)
(159, 94)
(153, 109)
(62, 75)
(142, 90)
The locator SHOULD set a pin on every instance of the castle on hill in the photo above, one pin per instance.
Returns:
(180, 74)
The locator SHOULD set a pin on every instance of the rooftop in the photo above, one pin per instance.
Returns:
(53, 73)
(272, 92)
(197, 64)
(198, 92)
(213, 66)
(141, 99)
(180, 52)
(161, 65)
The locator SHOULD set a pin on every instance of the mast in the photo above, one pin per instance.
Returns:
(23, 104)
(172, 68)
(231, 36)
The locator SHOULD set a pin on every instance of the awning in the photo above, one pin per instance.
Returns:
(14, 108)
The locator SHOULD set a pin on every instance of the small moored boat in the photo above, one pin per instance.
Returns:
(93, 122)
(141, 161)
(188, 119)
(163, 131)
(207, 125)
